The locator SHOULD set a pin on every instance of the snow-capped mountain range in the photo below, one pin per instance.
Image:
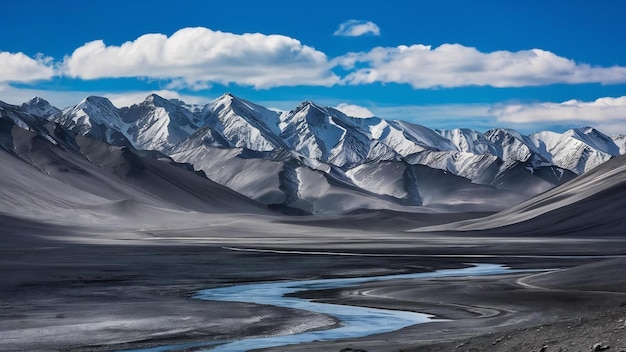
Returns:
(316, 159)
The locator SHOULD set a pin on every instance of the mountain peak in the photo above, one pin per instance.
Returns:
(308, 104)
(226, 100)
(156, 100)
(95, 98)
(96, 101)
(39, 107)
(226, 97)
(594, 138)
(95, 107)
(586, 131)
(37, 100)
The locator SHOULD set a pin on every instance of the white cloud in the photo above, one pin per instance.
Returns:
(455, 65)
(18, 67)
(199, 56)
(357, 28)
(608, 114)
(354, 110)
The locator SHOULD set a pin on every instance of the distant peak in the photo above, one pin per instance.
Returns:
(37, 100)
(96, 102)
(308, 103)
(228, 100)
(582, 130)
(96, 99)
(505, 131)
(228, 96)
(501, 129)
(588, 132)
(587, 129)
(39, 107)
(309, 106)
(154, 98)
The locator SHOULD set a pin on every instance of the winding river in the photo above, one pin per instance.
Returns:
(355, 321)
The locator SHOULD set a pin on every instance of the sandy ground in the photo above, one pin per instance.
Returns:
(95, 290)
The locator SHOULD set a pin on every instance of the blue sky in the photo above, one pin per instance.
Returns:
(530, 65)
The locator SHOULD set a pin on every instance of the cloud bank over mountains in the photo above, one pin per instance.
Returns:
(195, 58)
(198, 57)
(455, 65)
(607, 113)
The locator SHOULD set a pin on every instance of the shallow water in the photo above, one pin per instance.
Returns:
(355, 321)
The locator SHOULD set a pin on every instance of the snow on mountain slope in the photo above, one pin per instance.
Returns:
(39, 107)
(423, 136)
(287, 184)
(392, 136)
(320, 193)
(353, 149)
(266, 155)
(578, 150)
(204, 136)
(620, 142)
(384, 178)
(158, 123)
(84, 180)
(594, 139)
(328, 135)
(14, 115)
(255, 178)
(89, 112)
(95, 117)
(426, 186)
(470, 141)
(310, 130)
(243, 124)
(590, 202)
(514, 146)
(478, 168)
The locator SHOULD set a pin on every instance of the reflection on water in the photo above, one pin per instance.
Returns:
(355, 321)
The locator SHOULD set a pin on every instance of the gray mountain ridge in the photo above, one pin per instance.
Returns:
(315, 159)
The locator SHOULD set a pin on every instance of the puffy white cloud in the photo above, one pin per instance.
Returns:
(357, 28)
(354, 110)
(455, 65)
(18, 67)
(608, 114)
(199, 56)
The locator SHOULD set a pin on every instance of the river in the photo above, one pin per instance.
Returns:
(355, 321)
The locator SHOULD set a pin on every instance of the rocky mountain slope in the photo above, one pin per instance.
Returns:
(315, 159)
(50, 172)
(591, 202)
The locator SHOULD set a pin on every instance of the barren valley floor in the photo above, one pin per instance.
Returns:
(104, 291)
